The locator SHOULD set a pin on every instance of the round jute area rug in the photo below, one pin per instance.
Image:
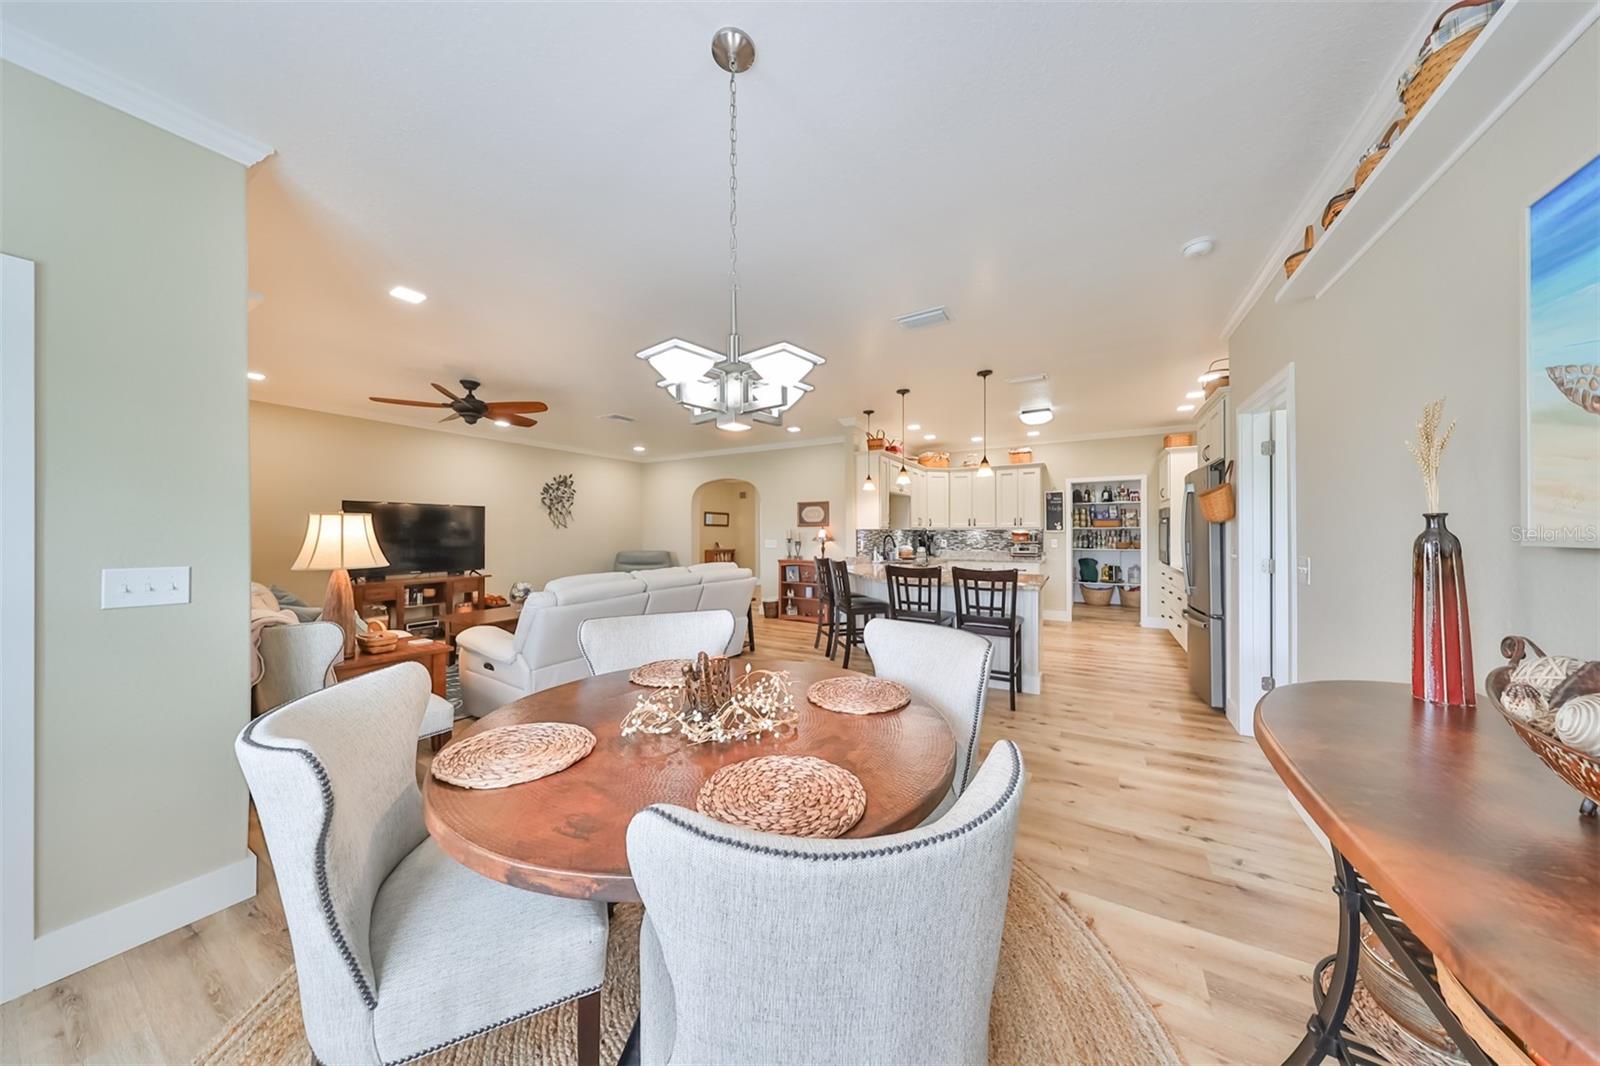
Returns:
(1059, 997)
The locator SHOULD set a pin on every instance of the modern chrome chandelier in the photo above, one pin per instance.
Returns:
(735, 390)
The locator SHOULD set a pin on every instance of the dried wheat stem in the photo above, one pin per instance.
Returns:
(1429, 449)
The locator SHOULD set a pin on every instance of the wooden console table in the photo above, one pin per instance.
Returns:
(441, 595)
(1456, 844)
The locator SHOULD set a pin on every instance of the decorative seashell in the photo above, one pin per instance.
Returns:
(1578, 382)
(1546, 673)
(1521, 700)
(1578, 724)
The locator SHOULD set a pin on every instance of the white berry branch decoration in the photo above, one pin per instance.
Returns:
(1429, 449)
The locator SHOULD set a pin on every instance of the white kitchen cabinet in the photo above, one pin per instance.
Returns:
(1211, 428)
(1030, 493)
(960, 498)
(1019, 496)
(1175, 465)
(919, 499)
(936, 488)
(983, 501)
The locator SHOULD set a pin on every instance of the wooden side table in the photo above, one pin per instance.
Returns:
(434, 654)
(504, 617)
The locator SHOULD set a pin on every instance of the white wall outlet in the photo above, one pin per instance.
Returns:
(1303, 566)
(145, 586)
(769, 544)
(1054, 543)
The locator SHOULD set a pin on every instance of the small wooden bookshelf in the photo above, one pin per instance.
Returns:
(799, 594)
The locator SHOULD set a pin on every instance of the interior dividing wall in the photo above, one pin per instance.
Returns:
(139, 240)
(1433, 309)
(736, 499)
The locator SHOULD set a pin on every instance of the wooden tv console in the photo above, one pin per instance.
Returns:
(437, 595)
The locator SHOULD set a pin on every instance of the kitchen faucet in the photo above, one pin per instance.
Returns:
(887, 547)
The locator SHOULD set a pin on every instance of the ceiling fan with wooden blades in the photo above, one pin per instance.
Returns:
(469, 408)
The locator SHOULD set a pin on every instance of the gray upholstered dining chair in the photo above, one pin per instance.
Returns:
(398, 949)
(945, 668)
(626, 641)
(772, 949)
(296, 660)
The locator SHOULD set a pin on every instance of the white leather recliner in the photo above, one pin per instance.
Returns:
(498, 667)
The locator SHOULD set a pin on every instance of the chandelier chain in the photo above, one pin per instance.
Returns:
(733, 188)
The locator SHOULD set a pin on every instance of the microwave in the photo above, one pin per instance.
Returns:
(1164, 535)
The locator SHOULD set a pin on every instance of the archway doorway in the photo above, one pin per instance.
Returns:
(725, 517)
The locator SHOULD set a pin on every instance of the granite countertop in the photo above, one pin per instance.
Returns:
(872, 570)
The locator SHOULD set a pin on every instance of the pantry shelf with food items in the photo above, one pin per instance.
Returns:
(1105, 519)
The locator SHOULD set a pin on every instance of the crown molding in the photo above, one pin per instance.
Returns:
(1114, 434)
(113, 90)
(1379, 112)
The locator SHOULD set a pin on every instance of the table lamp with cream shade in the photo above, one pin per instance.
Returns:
(337, 541)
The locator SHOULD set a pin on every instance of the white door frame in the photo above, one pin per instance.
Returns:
(1255, 547)
(1145, 534)
(16, 624)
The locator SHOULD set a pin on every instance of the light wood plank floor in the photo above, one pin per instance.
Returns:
(1161, 825)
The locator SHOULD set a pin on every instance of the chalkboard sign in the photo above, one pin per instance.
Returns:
(1054, 519)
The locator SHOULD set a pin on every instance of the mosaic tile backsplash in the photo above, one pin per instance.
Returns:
(945, 541)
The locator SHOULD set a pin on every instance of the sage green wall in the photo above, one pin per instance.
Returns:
(1433, 309)
(139, 239)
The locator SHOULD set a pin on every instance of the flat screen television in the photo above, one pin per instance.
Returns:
(424, 537)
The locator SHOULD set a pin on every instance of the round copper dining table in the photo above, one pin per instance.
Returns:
(565, 835)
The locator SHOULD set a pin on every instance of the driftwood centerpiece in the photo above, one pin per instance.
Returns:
(711, 705)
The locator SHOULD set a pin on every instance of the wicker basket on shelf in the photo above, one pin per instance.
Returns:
(936, 460)
(1457, 27)
(1020, 455)
(1129, 597)
(1097, 595)
(1373, 156)
(1336, 206)
(1291, 264)
(876, 441)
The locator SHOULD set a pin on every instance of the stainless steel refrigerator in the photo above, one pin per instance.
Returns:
(1203, 559)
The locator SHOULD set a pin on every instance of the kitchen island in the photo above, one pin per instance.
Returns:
(867, 577)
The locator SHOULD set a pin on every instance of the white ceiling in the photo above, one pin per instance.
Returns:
(554, 177)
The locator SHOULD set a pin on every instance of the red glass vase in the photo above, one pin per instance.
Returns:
(1441, 634)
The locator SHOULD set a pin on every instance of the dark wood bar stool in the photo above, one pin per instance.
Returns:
(986, 603)
(851, 612)
(916, 594)
(825, 617)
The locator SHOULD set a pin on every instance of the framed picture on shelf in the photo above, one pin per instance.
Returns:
(716, 518)
(1561, 367)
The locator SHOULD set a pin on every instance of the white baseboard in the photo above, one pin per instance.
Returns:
(1154, 623)
(1056, 616)
(71, 948)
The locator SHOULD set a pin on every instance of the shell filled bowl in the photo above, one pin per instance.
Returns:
(1550, 707)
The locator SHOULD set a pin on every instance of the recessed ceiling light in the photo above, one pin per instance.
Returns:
(792, 429)
(1199, 248)
(1197, 394)
(977, 440)
(913, 427)
(255, 375)
(1186, 407)
(930, 436)
(1033, 433)
(410, 296)
(502, 423)
(638, 447)
(1036, 416)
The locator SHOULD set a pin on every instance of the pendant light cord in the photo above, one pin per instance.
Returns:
(733, 192)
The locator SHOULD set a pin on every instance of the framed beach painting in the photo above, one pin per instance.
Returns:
(1561, 367)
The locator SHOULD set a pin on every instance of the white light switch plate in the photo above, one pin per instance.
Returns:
(1054, 544)
(769, 544)
(144, 586)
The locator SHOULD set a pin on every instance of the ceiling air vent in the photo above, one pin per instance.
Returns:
(1026, 379)
(617, 418)
(917, 319)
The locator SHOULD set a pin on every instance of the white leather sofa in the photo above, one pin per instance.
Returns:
(498, 667)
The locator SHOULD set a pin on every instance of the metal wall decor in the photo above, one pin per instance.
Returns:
(558, 496)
